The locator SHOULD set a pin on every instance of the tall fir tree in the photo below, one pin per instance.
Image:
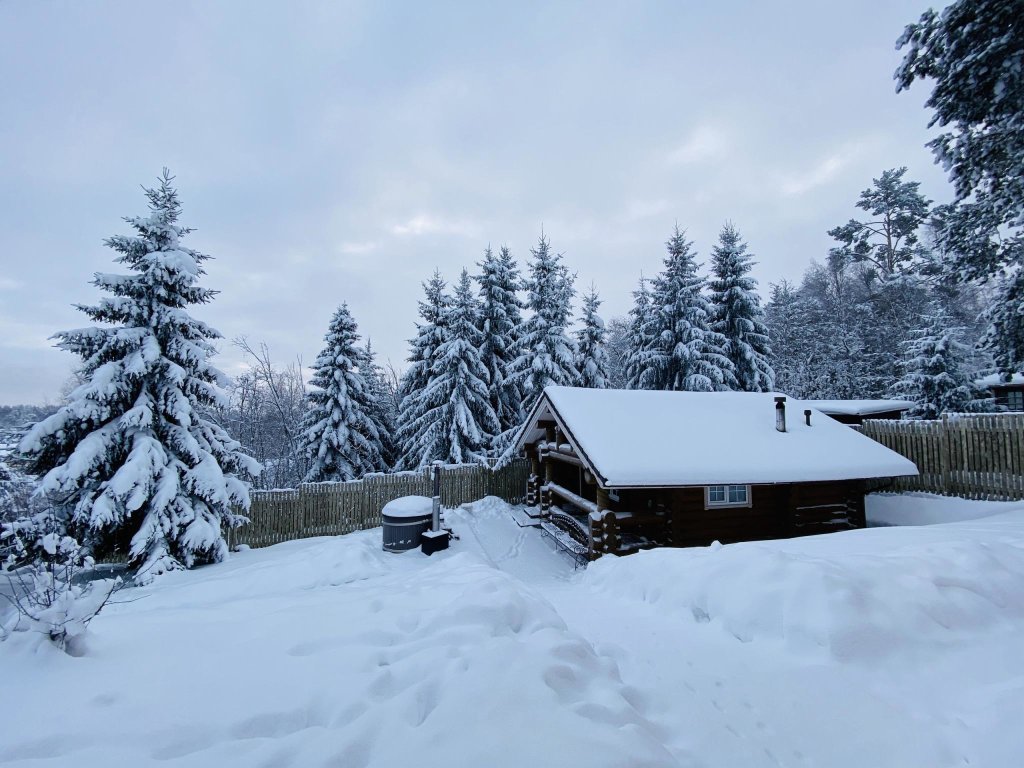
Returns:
(133, 456)
(639, 338)
(431, 333)
(340, 438)
(934, 377)
(547, 354)
(685, 353)
(382, 410)
(451, 419)
(738, 315)
(500, 321)
(591, 356)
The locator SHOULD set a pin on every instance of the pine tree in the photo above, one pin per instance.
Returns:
(685, 354)
(973, 54)
(546, 351)
(133, 455)
(934, 377)
(639, 339)
(500, 321)
(340, 439)
(382, 410)
(591, 357)
(738, 315)
(451, 419)
(888, 242)
(431, 333)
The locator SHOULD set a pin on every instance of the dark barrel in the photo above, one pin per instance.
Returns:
(404, 521)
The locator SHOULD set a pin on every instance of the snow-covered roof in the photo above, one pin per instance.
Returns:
(996, 380)
(857, 407)
(637, 438)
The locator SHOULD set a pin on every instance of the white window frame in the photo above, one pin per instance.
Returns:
(709, 504)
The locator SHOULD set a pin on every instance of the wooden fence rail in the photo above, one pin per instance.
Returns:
(975, 456)
(329, 509)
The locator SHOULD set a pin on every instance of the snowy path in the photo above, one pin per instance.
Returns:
(890, 647)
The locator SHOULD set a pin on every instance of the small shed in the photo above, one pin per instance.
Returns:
(621, 470)
(856, 411)
(1008, 392)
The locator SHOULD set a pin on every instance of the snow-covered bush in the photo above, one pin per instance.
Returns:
(46, 571)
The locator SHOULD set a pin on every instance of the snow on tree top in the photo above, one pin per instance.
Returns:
(636, 438)
(857, 407)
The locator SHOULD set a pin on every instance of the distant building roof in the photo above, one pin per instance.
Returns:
(996, 380)
(639, 438)
(858, 407)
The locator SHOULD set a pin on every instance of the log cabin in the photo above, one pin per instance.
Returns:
(622, 470)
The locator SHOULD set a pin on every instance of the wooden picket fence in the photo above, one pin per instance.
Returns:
(330, 509)
(975, 456)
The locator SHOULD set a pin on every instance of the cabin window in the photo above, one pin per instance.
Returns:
(727, 496)
(1015, 400)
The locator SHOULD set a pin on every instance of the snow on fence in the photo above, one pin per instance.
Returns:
(975, 456)
(329, 509)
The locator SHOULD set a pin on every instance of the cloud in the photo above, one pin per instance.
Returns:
(822, 172)
(704, 143)
(426, 224)
(358, 248)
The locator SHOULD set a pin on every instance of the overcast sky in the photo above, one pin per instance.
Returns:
(330, 152)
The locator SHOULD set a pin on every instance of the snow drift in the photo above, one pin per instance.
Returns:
(852, 596)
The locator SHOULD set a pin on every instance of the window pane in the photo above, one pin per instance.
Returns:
(737, 494)
(716, 494)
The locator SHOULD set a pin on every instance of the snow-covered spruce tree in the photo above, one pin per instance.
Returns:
(639, 339)
(500, 320)
(340, 439)
(383, 411)
(933, 372)
(451, 418)
(972, 52)
(737, 313)
(546, 352)
(685, 353)
(133, 454)
(617, 347)
(431, 333)
(591, 357)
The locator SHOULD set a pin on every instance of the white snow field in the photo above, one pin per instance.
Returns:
(894, 646)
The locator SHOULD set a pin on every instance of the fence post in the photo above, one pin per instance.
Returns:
(944, 458)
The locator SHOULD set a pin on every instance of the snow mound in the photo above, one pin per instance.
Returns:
(851, 605)
(929, 509)
(409, 506)
(418, 661)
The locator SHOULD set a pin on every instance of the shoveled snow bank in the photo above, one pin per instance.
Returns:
(849, 596)
(324, 652)
(929, 509)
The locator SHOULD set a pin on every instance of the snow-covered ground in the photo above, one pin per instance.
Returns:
(892, 646)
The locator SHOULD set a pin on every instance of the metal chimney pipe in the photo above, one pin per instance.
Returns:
(780, 414)
(807, 416)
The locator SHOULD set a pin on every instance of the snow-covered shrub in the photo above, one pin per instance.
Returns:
(46, 570)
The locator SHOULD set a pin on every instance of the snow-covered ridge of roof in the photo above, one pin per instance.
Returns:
(858, 407)
(996, 380)
(636, 438)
